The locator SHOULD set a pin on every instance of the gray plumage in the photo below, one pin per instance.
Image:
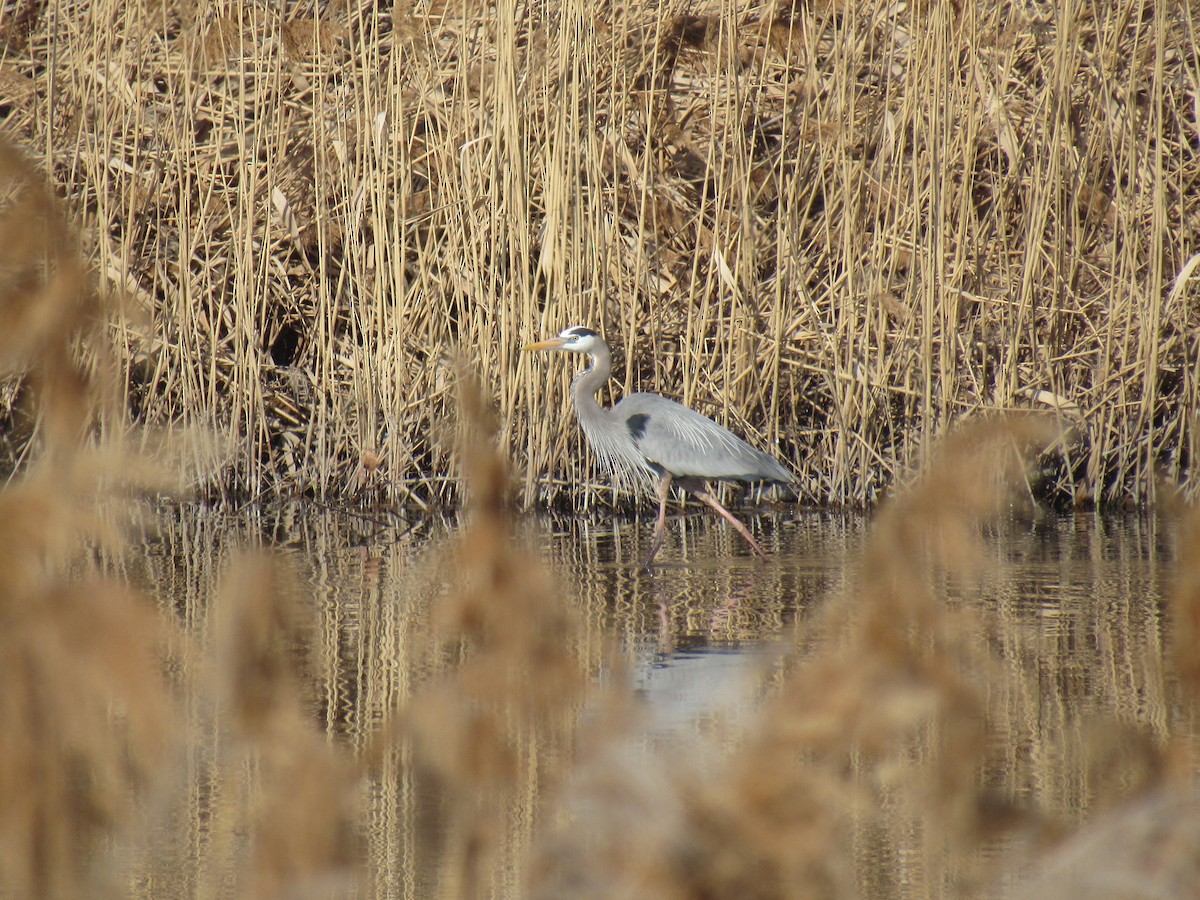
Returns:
(646, 436)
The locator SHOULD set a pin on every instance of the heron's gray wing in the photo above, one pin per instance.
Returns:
(687, 444)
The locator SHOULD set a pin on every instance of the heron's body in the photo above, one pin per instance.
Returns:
(650, 437)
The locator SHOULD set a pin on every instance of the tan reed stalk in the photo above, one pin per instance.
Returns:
(488, 731)
(88, 717)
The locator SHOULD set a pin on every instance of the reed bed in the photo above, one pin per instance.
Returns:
(837, 227)
(153, 750)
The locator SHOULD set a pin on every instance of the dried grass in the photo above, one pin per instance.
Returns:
(838, 228)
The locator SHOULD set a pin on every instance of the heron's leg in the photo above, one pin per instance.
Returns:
(702, 494)
(660, 525)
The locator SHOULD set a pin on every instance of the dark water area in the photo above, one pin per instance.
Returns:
(1071, 611)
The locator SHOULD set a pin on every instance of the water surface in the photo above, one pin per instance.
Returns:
(1072, 609)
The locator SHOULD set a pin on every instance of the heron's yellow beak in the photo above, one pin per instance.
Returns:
(552, 344)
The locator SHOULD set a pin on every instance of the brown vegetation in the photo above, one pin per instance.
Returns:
(128, 725)
(838, 227)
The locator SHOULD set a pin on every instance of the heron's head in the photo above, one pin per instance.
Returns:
(575, 339)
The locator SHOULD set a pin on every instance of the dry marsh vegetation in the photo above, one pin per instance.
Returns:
(837, 227)
(148, 749)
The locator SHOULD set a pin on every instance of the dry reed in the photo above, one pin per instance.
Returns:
(92, 744)
(518, 677)
(837, 227)
(87, 714)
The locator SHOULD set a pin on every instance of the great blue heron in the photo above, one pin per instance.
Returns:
(649, 435)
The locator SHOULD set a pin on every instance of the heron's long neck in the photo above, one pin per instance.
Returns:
(587, 383)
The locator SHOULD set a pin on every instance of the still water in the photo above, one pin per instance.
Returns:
(684, 662)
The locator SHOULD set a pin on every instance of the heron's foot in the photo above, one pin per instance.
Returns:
(659, 535)
(755, 546)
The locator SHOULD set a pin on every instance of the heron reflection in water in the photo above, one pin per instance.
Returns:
(648, 435)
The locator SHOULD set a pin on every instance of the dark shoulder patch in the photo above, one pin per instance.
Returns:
(637, 425)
